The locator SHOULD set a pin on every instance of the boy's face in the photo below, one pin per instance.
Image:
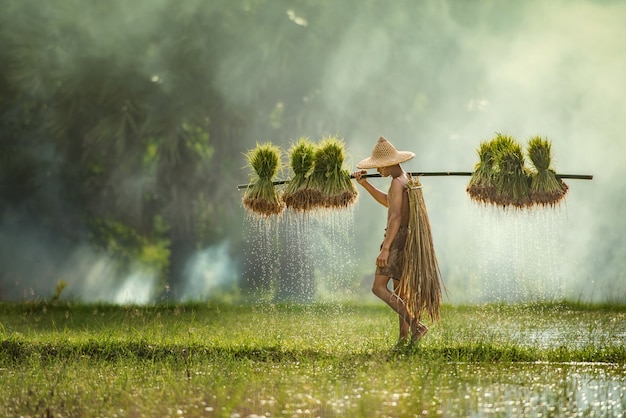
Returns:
(383, 171)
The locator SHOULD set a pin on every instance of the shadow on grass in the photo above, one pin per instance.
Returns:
(15, 351)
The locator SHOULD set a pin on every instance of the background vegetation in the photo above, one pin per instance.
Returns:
(122, 126)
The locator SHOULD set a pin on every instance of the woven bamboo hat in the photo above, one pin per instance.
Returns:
(385, 155)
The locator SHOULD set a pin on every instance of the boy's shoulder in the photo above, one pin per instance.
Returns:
(397, 184)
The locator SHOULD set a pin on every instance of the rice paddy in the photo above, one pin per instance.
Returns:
(263, 359)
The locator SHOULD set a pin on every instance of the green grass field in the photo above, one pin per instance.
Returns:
(66, 360)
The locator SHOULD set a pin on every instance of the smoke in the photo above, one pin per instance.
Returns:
(36, 261)
(556, 70)
(434, 77)
(457, 75)
(94, 278)
(209, 270)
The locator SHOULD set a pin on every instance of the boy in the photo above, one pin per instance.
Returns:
(386, 159)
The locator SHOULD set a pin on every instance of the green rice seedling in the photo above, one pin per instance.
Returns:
(261, 196)
(545, 188)
(501, 142)
(297, 194)
(330, 182)
(481, 187)
(511, 176)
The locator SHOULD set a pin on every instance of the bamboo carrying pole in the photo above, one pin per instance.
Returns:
(440, 173)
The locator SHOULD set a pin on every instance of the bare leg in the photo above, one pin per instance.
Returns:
(404, 325)
(420, 328)
(379, 288)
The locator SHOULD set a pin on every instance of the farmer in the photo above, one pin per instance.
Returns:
(389, 263)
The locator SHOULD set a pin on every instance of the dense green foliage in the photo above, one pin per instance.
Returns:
(122, 125)
(96, 360)
(129, 119)
(111, 122)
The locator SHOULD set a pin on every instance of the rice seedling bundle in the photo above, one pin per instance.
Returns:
(330, 183)
(481, 187)
(511, 176)
(499, 176)
(298, 195)
(261, 196)
(545, 187)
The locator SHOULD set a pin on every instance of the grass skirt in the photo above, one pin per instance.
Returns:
(421, 283)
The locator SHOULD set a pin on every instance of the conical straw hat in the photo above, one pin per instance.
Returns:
(385, 155)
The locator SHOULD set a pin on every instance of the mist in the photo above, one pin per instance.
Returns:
(554, 69)
(452, 75)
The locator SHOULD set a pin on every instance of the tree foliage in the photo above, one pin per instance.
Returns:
(123, 122)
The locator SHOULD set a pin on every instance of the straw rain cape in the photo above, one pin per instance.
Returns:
(420, 286)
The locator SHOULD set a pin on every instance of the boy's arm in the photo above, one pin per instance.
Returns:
(378, 195)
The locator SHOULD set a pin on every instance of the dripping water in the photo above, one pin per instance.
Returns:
(515, 254)
(302, 256)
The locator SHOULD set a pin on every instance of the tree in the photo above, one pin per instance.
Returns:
(132, 136)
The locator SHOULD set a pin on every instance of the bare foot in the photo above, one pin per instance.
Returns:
(419, 331)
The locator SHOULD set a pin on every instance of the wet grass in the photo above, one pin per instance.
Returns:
(313, 360)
